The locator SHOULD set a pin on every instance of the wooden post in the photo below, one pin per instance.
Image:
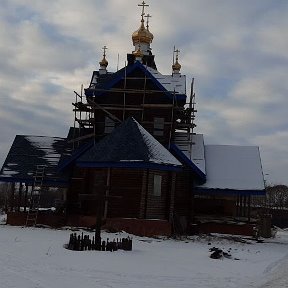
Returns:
(12, 196)
(20, 196)
(107, 192)
(25, 197)
(241, 206)
(172, 197)
(143, 195)
(99, 218)
(191, 206)
(245, 206)
(249, 208)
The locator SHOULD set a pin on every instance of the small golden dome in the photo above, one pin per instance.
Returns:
(142, 35)
(138, 53)
(103, 62)
(176, 66)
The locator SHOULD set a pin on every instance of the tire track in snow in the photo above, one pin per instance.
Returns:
(278, 276)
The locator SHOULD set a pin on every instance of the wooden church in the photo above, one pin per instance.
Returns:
(132, 159)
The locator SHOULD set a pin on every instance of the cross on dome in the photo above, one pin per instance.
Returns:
(176, 66)
(103, 63)
(143, 4)
(143, 36)
(147, 23)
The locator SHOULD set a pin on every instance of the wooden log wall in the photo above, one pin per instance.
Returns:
(157, 206)
(183, 195)
(125, 192)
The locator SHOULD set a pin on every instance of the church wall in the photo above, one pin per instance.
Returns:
(126, 185)
(157, 206)
(183, 205)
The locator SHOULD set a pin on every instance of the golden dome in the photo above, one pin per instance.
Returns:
(176, 65)
(142, 35)
(138, 53)
(103, 62)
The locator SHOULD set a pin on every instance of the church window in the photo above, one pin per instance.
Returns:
(158, 126)
(109, 125)
(157, 185)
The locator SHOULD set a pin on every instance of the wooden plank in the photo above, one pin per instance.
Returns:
(157, 105)
(136, 91)
(113, 117)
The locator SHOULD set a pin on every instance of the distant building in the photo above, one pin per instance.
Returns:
(133, 159)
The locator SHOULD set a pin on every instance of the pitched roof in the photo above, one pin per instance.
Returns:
(229, 169)
(233, 168)
(27, 152)
(161, 82)
(129, 145)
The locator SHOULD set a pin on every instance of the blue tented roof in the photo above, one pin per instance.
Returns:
(129, 145)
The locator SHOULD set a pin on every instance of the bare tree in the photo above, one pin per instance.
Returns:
(277, 197)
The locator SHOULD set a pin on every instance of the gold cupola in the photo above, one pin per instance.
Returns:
(142, 35)
(138, 54)
(176, 67)
(104, 63)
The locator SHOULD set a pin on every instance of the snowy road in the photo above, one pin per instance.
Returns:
(35, 258)
(277, 274)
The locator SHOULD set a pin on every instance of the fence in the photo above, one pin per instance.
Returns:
(84, 242)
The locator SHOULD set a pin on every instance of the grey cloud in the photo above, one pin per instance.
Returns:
(236, 50)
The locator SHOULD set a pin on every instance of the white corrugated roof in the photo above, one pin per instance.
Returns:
(192, 145)
(170, 82)
(233, 167)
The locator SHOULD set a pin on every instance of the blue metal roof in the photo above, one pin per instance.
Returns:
(27, 152)
(112, 80)
(129, 145)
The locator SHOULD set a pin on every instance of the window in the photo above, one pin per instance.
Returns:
(158, 126)
(109, 125)
(157, 185)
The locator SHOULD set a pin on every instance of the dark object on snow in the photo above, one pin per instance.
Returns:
(218, 253)
(83, 242)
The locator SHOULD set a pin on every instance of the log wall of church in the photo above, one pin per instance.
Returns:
(157, 207)
(125, 192)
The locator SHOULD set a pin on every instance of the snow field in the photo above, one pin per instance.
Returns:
(35, 257)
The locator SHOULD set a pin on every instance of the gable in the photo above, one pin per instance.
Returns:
(140, 74)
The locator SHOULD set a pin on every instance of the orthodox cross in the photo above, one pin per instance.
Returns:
(104, 49)
(177, 54)
(143, 4)
(147, 23)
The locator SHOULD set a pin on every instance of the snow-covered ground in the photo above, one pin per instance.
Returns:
(35, 257)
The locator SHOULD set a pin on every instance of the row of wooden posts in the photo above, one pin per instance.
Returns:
(84, 242)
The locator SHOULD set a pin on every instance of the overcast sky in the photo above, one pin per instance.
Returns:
(237, 51)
